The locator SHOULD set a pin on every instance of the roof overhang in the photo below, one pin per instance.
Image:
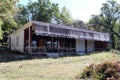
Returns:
(69, 32)
(47, 29)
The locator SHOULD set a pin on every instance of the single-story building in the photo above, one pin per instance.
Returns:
(53, 39)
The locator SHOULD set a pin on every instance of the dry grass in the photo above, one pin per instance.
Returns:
(51, 69)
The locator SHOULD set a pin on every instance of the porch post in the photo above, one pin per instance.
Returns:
(52, 44)
(85, 46)
(64, 46)
(29, 41)
(58, 44)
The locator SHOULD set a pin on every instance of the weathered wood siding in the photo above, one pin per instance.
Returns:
(17, 41)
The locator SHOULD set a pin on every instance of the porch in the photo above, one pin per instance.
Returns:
(45, 38)
(42, 44)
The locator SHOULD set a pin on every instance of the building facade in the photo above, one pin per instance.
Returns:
(51, 39)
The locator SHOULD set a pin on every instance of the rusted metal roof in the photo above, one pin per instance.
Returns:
(48, 29)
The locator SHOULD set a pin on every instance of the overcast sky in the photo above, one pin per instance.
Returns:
(79, 9)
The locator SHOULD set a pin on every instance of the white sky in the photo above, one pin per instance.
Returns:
(79, 9)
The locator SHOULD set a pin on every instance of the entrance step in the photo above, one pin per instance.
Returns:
(53, 55)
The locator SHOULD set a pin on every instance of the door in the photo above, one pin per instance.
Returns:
(41, 45)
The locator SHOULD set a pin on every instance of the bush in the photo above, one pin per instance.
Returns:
(103, 71)
(115, 51)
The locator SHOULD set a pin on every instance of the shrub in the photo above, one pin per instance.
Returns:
(115, 51)
(103, 71)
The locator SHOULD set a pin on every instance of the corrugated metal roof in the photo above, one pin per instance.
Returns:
(43, 28)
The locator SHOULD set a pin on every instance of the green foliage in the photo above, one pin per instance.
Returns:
(22, 16)
(9, 24)
(108, 21)
(1, 29)
(7, 8)
(88, 71)
(65, 16)
(43, 10)
(115, 51)
(102, 71)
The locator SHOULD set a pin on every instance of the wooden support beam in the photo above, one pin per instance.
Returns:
(61, 44)
(85, 46)
(52, 44)
(29, 41)
(57, 44)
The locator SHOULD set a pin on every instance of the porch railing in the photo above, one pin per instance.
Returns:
(40, 50)
(100, 49)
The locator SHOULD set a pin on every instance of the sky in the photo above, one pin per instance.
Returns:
(79, 9)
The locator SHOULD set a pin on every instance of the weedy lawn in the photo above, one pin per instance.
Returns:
(65, 68)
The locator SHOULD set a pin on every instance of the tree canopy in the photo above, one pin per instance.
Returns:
(65, 16)
(43, 10)
(7, 6)
(108, 20)
(13, 15)
(7, 9)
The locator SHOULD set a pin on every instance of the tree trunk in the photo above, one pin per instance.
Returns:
(113, 41)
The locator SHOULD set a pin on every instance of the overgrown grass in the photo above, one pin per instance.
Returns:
(65, 68)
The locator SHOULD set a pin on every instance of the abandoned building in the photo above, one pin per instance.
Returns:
(54, 39)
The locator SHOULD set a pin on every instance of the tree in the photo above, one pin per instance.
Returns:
(65, 16)
(43, 10)
(7, 9)
(7, 6)
(1, 29)
(22, 15)
(108, 19)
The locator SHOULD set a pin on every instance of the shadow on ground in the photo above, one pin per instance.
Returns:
(9, 56)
